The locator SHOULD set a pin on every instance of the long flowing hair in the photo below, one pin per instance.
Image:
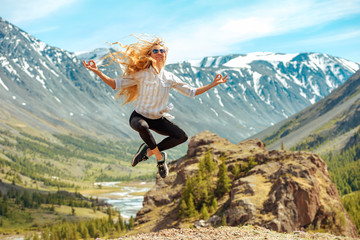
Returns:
(134, 58)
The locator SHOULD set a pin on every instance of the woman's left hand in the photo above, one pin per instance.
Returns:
(220, 79)
(217, 80)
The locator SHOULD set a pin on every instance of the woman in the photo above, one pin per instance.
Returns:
(147, 83)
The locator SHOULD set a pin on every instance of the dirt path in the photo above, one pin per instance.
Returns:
(229, 233)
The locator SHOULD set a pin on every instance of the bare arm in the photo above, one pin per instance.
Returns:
(91, 65)
(218, 79)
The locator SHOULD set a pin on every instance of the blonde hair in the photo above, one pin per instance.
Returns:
(134, 58)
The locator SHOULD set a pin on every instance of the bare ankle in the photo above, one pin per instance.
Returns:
(157, 153)
(149, 152)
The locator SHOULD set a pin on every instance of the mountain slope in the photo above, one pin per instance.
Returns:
(46, 89)
(331, 117)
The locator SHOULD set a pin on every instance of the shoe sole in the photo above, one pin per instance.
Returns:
(137, 154)
(167, 168)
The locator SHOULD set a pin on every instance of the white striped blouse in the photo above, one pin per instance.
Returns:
(154, 90)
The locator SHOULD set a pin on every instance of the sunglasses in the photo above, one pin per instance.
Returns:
(155, 51)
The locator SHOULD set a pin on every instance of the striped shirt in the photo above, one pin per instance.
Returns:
(153, 91)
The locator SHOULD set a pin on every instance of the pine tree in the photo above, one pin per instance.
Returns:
(223, 220)
(191, 207)
(183, 209)
(109, 215)
(214, 203)
(82, 229)
(121, 223)
(207, 164)
(91, 229)
(204, 212)
(236, 171)
(223, 184)
(131, 222)
(211, 209)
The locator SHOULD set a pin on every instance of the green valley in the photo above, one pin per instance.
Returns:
(42, 179)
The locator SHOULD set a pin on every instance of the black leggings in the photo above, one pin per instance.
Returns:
(162, 126)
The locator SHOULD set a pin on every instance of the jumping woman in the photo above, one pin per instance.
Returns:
(147, 83)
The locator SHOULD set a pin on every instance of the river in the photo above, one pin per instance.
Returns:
(126, 197)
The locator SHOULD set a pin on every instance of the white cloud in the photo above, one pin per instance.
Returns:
(20, 11)
(188, 36)
(333, 38)
(215, 36)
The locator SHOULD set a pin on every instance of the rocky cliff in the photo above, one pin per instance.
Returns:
(283, 191)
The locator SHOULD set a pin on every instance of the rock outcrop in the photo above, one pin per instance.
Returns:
(285, 191)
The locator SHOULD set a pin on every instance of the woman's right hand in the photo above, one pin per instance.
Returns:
(91, 65)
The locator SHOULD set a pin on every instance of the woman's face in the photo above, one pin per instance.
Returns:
(158, 53)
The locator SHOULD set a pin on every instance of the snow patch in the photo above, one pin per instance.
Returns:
(257, 86)
(242, 87)
(195, 63)
(229, 113)
(3, 84)
(314, 86)
(214, 112)
(330, 83)
(218, 96)
(39, 46)
(218, 60)
(209, 61)
(282, 78)
(312, 100)
(26, 67)
(97, 53)
(352, 66)
(6, 64)
(244, 61)
(302, 93)
(41, 81)
(284, 114)
(57, 99)
(230, 95)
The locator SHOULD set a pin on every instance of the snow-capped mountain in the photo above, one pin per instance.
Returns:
(263, 88)
(48, 89)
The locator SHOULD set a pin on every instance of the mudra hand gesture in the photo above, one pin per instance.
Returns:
(91, 65)
(220, 79)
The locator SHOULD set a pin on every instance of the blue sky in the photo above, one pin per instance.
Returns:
(195, 29)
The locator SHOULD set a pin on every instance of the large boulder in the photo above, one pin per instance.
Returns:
(285, 191)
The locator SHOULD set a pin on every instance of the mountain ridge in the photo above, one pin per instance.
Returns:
(46, 89)
(313, 117)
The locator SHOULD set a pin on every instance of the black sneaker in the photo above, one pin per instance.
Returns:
(141, 155)
(163, 169)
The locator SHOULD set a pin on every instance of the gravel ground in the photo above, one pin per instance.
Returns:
(226, 233)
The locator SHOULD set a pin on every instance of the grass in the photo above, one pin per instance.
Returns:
(259, 184)
(83, 213)
(32, 219)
